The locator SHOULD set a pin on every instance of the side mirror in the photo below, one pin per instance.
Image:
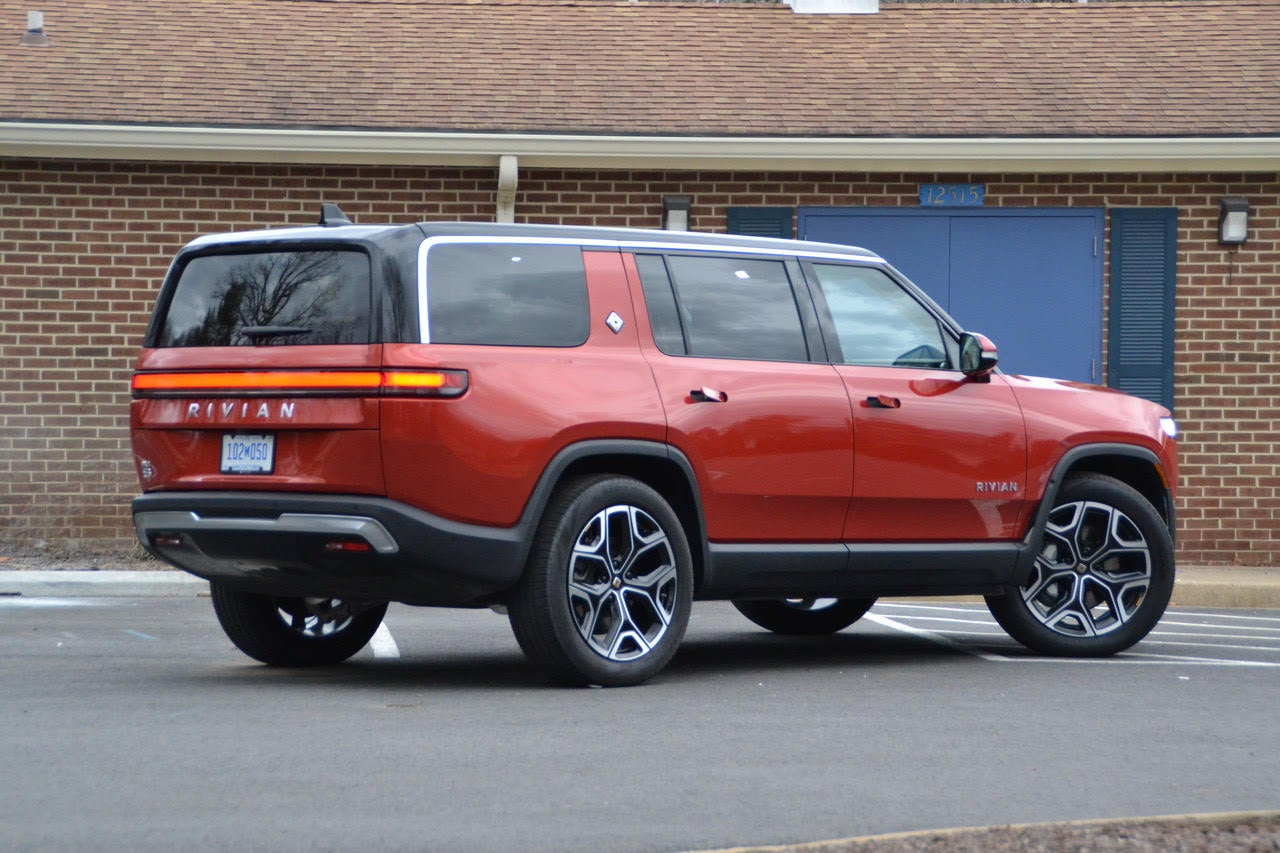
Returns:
(978, 356)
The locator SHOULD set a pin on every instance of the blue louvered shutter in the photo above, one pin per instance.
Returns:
(1143, 268)
(760, 221)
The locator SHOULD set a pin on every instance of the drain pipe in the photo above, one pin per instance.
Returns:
(508, 177)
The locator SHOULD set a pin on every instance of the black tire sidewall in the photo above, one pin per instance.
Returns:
(540, 612)
(777, 616)
(1014, 615)
(252, 623)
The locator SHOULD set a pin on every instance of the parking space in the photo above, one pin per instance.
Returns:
(1187, 637)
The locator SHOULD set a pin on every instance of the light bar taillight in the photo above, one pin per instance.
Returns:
(294, 383)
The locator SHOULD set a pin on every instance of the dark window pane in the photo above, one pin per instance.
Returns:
(507, 294)
(877, 322)
(270, 298)
(661, 303)
(737, 308)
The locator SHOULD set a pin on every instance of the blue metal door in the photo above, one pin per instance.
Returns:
(1029, 279)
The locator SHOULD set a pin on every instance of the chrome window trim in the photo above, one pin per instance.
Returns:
(424, 327)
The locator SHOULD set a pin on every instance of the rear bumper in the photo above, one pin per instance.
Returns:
(288, 544)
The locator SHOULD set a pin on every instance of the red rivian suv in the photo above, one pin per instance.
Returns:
(591, 428)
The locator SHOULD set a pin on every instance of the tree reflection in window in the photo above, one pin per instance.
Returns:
(305, 297)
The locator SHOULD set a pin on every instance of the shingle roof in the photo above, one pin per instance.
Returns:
(1188, 68)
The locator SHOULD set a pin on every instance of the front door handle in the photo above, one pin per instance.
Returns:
(884, 401)
(707, 395)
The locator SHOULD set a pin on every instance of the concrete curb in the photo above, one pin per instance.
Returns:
(1197, 586)
(75, 584)
(1227, 586)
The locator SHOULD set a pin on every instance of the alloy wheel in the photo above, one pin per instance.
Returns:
(622, 583)
(315, 617)
(1092, 573)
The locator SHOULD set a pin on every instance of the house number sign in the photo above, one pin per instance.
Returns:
(952, 195)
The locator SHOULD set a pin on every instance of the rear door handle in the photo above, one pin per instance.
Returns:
(707, 395)
(884, 401)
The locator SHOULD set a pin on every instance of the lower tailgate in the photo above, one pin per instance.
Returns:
(230, 438)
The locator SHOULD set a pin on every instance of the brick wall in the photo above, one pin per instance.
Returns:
(83, 246)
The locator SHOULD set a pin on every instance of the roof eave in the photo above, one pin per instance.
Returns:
(839, 154)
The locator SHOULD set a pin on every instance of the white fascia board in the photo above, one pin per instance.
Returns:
(995, 154)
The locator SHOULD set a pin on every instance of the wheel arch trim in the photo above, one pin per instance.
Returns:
(1070, 461)
(584, 452)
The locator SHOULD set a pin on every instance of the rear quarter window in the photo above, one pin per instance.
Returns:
(269, 298)
(506, 294)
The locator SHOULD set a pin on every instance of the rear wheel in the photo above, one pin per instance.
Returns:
(606, 594)
(283, 631)
(1103, 577)
(805, 615)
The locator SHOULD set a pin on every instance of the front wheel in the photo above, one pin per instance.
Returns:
(606, 594)
(1102, 579)
(801, 616)
(283, 631)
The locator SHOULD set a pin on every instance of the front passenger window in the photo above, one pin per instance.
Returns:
(877, 322)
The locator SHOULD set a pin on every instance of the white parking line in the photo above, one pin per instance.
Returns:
(1129, 659)
(383, 644)
(950, 637)
(1200, 615)
(905, 618)
(932, 637)
(1155, 642)
(994, 634)
(1159, 633)
(1193, 658)
(1218, 627)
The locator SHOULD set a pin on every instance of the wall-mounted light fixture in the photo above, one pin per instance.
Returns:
(675, 212)
(1233, 221)
(34, 36)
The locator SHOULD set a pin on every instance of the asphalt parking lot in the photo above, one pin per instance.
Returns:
(134, 723)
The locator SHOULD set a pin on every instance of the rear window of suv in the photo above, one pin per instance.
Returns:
(269, 298)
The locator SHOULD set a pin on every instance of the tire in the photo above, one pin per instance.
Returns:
(805, 616)
(295, 632)
(606, 593)
(1102, 579)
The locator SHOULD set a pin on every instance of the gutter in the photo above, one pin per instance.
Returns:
(840, 154)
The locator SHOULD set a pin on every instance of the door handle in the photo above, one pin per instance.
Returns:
(707, 395)
(884, 401)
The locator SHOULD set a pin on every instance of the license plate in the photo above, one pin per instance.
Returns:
(248, 454)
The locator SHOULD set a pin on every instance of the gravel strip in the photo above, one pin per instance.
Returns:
(1253, 832)
(51, 560)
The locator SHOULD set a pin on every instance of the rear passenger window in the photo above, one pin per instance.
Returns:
(729, 308)
(506, 294)
(269, 298)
